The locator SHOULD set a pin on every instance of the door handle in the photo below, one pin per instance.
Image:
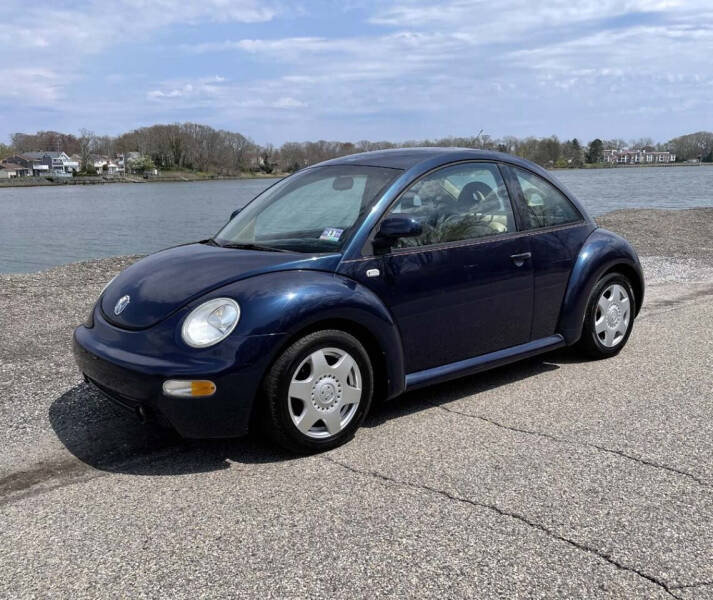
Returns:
(519, 259)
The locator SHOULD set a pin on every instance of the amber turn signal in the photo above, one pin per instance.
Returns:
(188, 389)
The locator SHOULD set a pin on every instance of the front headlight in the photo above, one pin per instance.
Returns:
(210, 322)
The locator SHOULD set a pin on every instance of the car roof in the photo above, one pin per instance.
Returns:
(406, 158)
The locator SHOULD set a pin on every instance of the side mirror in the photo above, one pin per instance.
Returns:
(234, 213)
(393, 228)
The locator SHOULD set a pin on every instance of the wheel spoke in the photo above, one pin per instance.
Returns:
(308, 418)
(603, 305)
(343, 367)
(608, 337)
(600, 325)
(350, 395)
(333, 421)
(614, 294)
(301, 389)
(319, 363)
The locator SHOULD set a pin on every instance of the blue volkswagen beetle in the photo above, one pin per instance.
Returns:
(355, 279)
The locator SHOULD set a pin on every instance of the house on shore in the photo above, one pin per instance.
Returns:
(45, 163)
(10, 170)
(104, 164)
(31, 167)
(639, 156)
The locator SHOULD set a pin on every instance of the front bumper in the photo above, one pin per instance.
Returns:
(130, 367)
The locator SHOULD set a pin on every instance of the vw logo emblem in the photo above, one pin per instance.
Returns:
(121, 304)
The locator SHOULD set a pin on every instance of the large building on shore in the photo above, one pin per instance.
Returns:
(640, 156)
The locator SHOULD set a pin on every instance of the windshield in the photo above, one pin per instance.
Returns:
(315, 210)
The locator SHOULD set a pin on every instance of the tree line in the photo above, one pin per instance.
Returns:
(194, 147)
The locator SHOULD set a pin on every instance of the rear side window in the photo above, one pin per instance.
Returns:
(545, 205)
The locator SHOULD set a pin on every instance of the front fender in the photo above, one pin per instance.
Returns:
(600, 253)
(288, 302)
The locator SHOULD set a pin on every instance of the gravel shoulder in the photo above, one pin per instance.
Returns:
(550, 478)
(685, 234)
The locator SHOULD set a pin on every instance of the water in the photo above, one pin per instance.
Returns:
(603, 190)
(45, 226)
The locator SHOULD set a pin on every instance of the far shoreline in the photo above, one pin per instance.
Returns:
(192, 178)
(22, 182)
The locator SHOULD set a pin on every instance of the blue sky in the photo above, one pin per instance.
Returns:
(358, 69)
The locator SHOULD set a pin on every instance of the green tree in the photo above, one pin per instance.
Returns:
(571, 153)
(141, 164)
(548, 151)
(595, 154)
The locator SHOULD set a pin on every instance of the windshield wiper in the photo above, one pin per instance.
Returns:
(253, 247)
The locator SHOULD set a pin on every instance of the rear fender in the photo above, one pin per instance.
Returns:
(602, 252)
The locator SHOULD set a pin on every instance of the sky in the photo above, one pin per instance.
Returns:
(360, 69)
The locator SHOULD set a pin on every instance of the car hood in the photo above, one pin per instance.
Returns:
(162, 283)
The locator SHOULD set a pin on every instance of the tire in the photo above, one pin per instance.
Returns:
(609, 318)
(318, 392)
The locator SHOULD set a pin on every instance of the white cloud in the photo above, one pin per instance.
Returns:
(92, 26)
(61, 36)
(31, 85)
(507, 17)
(287, 102)
(420, 66)
(460, 60)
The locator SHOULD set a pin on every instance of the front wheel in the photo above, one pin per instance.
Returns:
(609, 318)
(318, 391)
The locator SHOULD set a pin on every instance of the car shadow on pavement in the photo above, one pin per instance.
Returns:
(108, 438)
(464, 387)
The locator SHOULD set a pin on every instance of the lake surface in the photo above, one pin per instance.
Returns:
(42, 227)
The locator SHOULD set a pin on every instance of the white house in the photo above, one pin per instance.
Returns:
(99, 161)
(645, 156)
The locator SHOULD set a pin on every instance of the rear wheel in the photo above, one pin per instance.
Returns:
(318, 391)
(609, 318)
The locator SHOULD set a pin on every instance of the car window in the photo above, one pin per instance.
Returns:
(545, 205)
(315, 210)
(312, 205)
(460, 202)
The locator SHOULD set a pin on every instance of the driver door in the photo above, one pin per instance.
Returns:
(464, 287)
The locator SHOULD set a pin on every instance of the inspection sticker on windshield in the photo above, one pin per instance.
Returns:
(331, 234)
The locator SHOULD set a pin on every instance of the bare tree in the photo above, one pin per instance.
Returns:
(86, 147)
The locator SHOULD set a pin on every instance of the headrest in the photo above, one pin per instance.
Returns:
(472, 194)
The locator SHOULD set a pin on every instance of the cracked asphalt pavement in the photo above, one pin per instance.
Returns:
(554, 477)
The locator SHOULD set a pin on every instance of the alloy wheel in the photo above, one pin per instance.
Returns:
(613, 315)
(324, 392)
